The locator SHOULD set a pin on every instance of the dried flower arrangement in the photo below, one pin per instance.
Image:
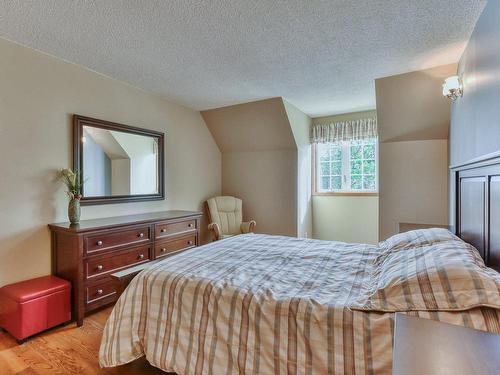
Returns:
(73, 181)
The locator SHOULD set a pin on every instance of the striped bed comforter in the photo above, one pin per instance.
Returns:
(260, 304)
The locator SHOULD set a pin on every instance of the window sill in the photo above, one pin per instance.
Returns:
(346, 194)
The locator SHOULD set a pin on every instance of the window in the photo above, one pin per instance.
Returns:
(346, 167)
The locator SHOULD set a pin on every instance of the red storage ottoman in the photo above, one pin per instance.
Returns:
(32, 306)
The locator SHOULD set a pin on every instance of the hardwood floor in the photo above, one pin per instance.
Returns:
(64, 350)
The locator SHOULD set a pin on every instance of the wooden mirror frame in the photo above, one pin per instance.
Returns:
(79, 122)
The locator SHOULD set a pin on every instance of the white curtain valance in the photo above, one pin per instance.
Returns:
(344, 131)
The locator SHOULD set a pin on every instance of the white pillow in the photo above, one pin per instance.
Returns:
(419, 237)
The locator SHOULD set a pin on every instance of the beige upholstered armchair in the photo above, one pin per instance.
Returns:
(226, 217)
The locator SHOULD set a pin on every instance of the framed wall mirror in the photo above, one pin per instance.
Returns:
(118, 163)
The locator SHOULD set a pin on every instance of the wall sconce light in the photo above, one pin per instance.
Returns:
(452, 88)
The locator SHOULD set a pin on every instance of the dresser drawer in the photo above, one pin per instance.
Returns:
(100, 291)
(168, 247)
(100, 294)
(95, 243)
(169, 229)
(100, 265)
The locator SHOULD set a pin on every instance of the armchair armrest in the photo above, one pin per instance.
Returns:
(248, 226)
(214, 227)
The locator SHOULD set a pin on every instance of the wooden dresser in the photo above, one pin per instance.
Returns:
(86, 254)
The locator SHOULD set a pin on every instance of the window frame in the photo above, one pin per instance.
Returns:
(314, 175)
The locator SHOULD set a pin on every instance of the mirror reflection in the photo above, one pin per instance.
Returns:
(117, 163)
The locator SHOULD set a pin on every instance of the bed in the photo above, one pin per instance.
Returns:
(260, 304)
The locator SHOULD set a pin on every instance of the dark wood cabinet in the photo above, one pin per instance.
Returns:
(477, 207)
(88, 253)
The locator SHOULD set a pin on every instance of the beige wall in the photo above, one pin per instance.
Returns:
(265, 180)
(38, 95)
(344, 117)
(300, 124)
(414, 184)
(259, 162)
(345, 218)
(413, 123)
(411, 107)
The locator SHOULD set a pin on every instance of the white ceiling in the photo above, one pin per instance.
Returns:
(321, 56)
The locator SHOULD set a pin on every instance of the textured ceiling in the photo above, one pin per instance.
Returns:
(322, 56)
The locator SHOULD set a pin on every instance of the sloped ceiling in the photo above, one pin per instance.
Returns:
(255, 126)
(411, 107)
(300, 124)
(321, 56)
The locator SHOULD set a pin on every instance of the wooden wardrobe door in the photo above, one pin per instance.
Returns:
(494, 253)
(472, 212)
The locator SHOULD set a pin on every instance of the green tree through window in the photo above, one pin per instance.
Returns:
(349, 166)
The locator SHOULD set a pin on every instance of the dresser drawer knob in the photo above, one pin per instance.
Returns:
(141, 256)
(190, 225)
(163, 249)
(99, 267)
(99, 243)
(141, 235)
(99, 291)
(163, 230)
(190, 242)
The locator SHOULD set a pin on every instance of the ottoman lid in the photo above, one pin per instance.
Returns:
(30, 289)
